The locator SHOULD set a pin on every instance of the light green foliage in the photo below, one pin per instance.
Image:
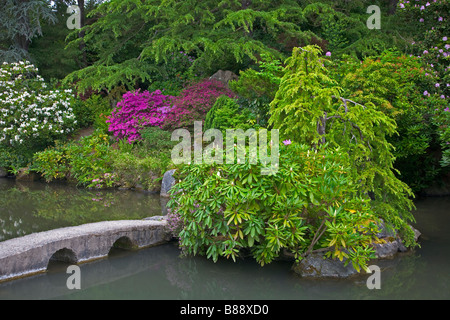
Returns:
(92, 162)
(108, 77)
(131, 170)
(309, 108)
(156, 141)
(226, 114)
(143, 164)
(52, 163)
(311, 203)
(396, 83)
(88, 162)
(304, 96)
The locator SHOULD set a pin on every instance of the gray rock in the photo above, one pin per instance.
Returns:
(385, 231)
(168, 182)
(417, 233)
(224, 76)
(3, 172)
(316, 266)
(393, 243)
(386, 250)
(401, 246)
(163, 201)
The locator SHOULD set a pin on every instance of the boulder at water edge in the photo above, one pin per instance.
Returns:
(168, 182)
(316, 265)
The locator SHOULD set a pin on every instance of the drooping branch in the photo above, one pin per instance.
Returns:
(322, 126)
(345, 100)
(322, 121)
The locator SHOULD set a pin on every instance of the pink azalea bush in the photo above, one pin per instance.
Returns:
(142, 109)
(194, 102)
(137, 110)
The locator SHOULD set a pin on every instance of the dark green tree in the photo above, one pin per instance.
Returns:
(20, 22)
(53, 42)
(132, 37)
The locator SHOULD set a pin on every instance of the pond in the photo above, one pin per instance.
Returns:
(27, 207)
(160, 272)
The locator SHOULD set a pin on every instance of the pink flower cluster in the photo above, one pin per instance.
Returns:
(174, 222)
(137, 110)
(141, 109)
(194, 102)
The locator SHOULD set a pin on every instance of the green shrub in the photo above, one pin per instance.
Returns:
(309, 204)
(87, 161)
(92, 162)
(53, 163)
(442, 121)
(132, 170)
(226, 114)
(156, 140)
(14, 159)
(93, 112)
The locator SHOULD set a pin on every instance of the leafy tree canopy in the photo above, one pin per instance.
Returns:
(20, 22)
(309, 107)
(133, 37)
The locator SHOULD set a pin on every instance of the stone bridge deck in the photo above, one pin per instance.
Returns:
(31, 254)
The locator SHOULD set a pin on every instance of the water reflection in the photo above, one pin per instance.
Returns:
(160, 273)
(32, 207)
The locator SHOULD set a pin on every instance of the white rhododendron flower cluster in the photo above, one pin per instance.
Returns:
(28, 109)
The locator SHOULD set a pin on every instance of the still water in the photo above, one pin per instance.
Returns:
(160, 272)
(28, 207)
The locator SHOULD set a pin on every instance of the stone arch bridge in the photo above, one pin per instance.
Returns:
(32, 253)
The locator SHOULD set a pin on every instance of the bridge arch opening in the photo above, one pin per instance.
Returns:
(122, 244)
(61, 259)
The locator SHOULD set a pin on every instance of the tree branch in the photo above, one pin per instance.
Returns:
(316, 237)
(359, 129)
